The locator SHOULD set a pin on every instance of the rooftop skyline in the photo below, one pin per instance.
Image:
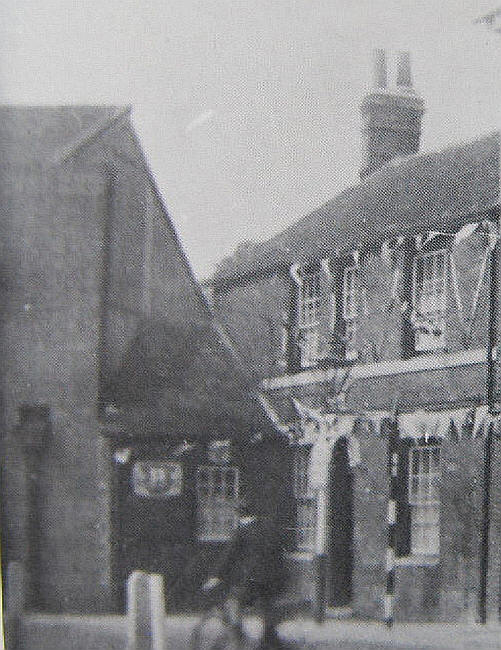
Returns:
(249, 112)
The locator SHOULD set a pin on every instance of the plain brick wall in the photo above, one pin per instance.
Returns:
(73, 283)
(447, 591)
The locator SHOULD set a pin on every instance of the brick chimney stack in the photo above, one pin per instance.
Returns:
(391, 114)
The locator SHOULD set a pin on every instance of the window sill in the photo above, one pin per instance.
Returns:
(417, 560)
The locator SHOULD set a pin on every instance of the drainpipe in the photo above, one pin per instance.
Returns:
(493, 410)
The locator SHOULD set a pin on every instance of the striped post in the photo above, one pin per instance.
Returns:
(391, 519)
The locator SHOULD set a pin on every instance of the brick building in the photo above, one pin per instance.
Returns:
(370, 310)
(122, 406)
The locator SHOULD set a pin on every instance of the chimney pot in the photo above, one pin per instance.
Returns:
(404, 77)
(380, 69)
(391, 115)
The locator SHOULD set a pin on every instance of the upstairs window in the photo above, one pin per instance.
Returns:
(217, 502)
(306, 505)
(309, 317)
(309, 299)
(424, 499)
(430, 299)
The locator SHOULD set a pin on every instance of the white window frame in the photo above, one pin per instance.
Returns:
(351, 293)
(351, 301)
(217, 489)
(430, 298)
(305, 501)
(424, 499)
(309, 340)
(309, 299)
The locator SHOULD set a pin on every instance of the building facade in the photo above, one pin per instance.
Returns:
(367, 321)
(123, 408)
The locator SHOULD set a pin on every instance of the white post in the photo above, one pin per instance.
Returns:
(145, 611)
(15, 600)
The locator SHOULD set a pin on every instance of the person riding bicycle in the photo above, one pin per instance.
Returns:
(252, 572)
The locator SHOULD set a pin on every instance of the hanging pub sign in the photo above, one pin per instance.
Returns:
(219, 452)
(157, 478)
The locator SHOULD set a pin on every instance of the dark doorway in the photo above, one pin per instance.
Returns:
(340, 527)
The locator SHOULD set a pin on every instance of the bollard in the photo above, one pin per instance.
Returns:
(145, 611)
(15, 600)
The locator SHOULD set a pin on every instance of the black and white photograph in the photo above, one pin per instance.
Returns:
(250, 325)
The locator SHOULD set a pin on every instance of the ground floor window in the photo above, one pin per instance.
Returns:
(424, 499)
(306, 504)
(217, 502)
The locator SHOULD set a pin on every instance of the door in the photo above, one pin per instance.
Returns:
(340, 527)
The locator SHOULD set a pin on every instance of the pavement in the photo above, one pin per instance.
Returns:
(302, 633)
(66, 632)
(367, 635)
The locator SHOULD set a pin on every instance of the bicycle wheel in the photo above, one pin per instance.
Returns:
(214, 632)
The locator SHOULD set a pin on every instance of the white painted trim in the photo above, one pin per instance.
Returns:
(381, 369)
(272, 414)
(295, 274)
(325, 266)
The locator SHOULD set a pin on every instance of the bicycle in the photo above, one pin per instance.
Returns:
(220, 626)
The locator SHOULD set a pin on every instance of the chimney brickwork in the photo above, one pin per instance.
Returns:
(391, 115)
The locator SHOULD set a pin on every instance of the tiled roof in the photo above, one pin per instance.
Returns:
(434, 191)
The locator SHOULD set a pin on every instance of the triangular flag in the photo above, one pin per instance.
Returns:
(464, 232)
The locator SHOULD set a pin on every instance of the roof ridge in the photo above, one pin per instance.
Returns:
(428, 187)
(89, 134)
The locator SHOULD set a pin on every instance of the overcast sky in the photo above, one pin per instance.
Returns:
(248, 110)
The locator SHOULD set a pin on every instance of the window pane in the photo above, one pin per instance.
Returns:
(424, 495)
(217, 488)
(430, 299)
(309, 299)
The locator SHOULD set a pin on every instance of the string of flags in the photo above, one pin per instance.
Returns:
(390, 246)
(452, 424)
(324, 430)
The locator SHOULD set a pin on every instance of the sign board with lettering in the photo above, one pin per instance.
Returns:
(157, 478)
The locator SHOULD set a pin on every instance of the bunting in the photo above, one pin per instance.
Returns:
(457, 423)
(453, 424)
